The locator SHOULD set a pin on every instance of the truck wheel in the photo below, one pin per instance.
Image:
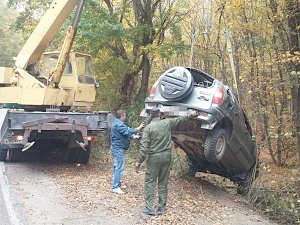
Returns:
(84, 156)
(3, 153)
(215, 145)
(14, 154)
(70, 155)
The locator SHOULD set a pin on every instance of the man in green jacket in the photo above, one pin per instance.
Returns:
(155, 148)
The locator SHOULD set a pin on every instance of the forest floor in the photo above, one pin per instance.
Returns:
(81, 194)
(199, 200)
(206, 197)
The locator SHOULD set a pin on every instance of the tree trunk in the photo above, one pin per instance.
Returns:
(146, 68)
(293, 9)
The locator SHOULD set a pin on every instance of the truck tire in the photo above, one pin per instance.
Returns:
(215, 145)
(14, 155)
(176, 83)
(3, 153)
(70, 155)
(84, 156)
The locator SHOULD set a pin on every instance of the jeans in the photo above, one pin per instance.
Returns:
(118, 156)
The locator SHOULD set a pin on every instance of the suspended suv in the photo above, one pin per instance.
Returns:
(219, 140)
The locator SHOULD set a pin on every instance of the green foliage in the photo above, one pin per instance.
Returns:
(281, 205)
(10, 40)
(100, 30)
(103, 36)
(176, 33)
(167, 50)
(179, 164)
(30, 13)
(100, 147)
(133, 119)
(109, 71)
(133, 113)
(29, 16)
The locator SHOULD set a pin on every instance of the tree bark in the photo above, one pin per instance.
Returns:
(145, 77)
(293, 10)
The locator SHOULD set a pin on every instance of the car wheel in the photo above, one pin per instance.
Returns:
(215, 145)
(176, 83)
(192, 168)
(245, 185)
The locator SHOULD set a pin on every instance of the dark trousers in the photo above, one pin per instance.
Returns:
(157, 173)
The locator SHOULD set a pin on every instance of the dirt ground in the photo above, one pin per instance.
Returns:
(47, 192)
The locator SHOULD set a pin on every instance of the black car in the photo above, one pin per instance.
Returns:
(219, 140)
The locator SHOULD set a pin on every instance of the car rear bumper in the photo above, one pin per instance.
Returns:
(208, 118)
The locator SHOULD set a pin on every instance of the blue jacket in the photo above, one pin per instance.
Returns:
(120, 135)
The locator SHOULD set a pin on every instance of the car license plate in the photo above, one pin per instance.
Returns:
(173, 110)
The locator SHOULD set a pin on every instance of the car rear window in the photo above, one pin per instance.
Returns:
(201, 78)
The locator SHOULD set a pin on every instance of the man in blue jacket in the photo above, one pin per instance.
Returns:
(120, 141)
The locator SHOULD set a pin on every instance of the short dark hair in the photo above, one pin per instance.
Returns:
(154, 112)
(119, 113)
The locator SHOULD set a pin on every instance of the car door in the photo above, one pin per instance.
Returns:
(242, 143)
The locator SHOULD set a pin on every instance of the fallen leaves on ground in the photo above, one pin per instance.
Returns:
(88, 187)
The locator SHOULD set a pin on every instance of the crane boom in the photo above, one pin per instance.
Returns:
(56, 75)
(45, 31)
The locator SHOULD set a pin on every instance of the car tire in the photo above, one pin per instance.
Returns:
(215, 145)
(245, 185)
(3, 153)
(176, 84)
(192, 168)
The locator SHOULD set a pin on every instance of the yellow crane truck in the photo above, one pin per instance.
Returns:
(38, 94)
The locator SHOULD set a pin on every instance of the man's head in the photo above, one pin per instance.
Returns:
(121, 114)
(155, 112)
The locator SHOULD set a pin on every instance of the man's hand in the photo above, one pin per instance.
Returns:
(137, 167)
(141, 126)
(194, 113)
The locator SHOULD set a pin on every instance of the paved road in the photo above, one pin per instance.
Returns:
(3, 210)
(33, 198)
(7, 212)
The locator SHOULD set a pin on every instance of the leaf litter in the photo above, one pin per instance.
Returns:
(190, 200)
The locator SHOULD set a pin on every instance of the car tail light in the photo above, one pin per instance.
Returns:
(218, 96)
(150, 105)
(20, 138)
(154, 88)
(13, 139)
(91, 138)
